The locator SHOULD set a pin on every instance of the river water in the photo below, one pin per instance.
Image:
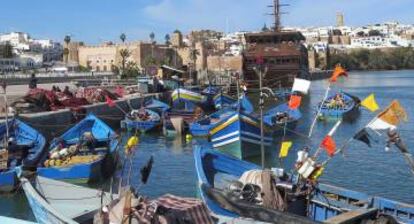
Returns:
(370, 170)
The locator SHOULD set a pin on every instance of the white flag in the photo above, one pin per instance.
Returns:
(301, 85)
(379, 124)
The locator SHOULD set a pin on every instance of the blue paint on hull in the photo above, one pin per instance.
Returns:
(93, 171)
(328, 201)
(240, 138)
(24, 135)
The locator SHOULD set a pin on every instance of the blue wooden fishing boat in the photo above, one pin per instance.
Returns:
(280, 116)
(211, 90)
(328, 203)
(94, 158)
(339, 105)
(22, 135)
(239, 135)
(142, 120)
(202, 126)
(157, 106)
(189, 98)
(58, 202)
(221, 101)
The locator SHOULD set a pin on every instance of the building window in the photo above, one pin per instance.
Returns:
(98, 69)
(104, 68)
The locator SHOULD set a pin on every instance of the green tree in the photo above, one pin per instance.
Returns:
(377, 60)
(167, 39)
(67, 40)
(122, 37)
(264, 28)
(125, 54)
(152, 37)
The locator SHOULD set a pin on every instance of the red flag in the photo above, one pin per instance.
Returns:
(339, 71)
(294, 102)
(329, 145)
(109, 101)
(119, 90)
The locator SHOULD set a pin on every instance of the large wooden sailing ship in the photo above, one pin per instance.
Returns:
(281, 52)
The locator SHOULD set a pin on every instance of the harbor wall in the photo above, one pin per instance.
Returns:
(53, 123)
(22, 79)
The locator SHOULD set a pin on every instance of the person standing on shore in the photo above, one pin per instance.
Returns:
(33, 82)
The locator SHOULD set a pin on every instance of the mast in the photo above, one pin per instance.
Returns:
(277, 13)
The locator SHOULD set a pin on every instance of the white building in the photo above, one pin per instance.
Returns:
(31, 53)
(371, 42)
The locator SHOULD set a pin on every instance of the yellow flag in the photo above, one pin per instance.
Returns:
(284, 149)
(370, 103)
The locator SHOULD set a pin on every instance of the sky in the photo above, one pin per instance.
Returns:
(94, 21)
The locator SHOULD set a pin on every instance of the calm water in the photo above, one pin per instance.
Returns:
(370, 170)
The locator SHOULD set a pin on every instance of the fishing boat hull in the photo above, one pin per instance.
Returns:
(202, 127)
(24, 135)
(54, 201)
(190, 99)
(349, 111)
(221, 101)
(239, 135)
(142, 126)
(199, 130)
(42, 211)
(8, 181)
(83, 173)
(208, 163)
(329, 204)
(279, 127)
(94, 169)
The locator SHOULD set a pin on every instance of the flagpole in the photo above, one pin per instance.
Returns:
(319, 110)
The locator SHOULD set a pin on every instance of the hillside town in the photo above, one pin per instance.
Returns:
(202, 51)
(147, 112)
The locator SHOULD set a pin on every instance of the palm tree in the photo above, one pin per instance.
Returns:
(167, 39)
(124, 53)
(152, 37)
(67, 40)
(122, 37)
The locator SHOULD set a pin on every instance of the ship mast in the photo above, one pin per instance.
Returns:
(277, 13)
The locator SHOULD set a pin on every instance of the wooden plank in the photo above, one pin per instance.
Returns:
(354, 216)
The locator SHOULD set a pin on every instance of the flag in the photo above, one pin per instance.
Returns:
(110, 102)
(284, 149)
(389, 118)
(370, 103)
(329, 145)
(338, 71)
(363, 136)
(294, 102)
(301, 85)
